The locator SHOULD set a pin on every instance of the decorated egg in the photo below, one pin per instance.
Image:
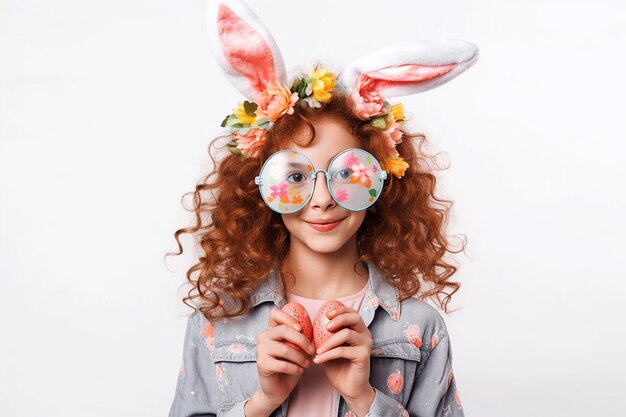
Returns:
(320, 332)
(298, 312)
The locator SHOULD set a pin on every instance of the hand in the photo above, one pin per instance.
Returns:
(280, 366)
(347, 367)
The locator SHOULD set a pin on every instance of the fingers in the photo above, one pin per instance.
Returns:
(278, 317)
(358, 349)
(345, 317)
(345, 336)
(276, 357)
(289, 334)
(353, 353)
(281, 327)
(282, 351)
(274, 365)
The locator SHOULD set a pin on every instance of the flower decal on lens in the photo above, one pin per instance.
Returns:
(297, 199)
(350, 159)
(361, 175)
(279, 191)
(341, 195)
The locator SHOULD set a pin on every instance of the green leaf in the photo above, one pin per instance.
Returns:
(263, 123)
(372, 192)
(296, 85)
(250, 108)
(379, 122)
(225, 121)
(369, 160)
(302, 89)
(232, 147)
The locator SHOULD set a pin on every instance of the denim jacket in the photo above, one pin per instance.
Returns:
(410, 365)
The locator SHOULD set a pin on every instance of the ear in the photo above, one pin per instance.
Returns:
(410, 67)
(243, 47)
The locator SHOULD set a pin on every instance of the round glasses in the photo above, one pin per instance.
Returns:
(354, 179)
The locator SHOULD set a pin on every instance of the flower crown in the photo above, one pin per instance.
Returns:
(251, 60)
(250, 122)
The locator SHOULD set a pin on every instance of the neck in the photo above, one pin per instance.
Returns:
(323, 276)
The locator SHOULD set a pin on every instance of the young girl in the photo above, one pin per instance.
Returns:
(324, 196)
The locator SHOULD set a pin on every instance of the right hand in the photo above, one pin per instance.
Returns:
(280, 366)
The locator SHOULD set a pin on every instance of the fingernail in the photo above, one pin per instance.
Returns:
(297, 327)
(329, 325)
(332, 312)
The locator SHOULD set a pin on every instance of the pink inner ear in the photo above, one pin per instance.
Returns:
(245, 49)
(406, 74)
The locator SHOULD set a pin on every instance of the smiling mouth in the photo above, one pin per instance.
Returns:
(324, 227)
(321, 223)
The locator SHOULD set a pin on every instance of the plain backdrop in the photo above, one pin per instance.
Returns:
(106, 111)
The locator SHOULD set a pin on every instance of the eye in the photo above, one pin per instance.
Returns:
(343, 174)
(297, 178)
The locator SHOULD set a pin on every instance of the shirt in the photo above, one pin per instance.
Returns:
(314, 396)
(410, 366)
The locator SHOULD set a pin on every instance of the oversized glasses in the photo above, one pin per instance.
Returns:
(354, 179)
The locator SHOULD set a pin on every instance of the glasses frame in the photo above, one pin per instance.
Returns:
(382, 175)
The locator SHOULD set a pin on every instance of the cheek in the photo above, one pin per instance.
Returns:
(357, 219)
(289, 220)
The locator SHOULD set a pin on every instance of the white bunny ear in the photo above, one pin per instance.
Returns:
(410, 67)
(243, 47)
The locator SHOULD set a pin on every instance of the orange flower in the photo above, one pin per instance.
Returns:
(393, 136)
(252, 141)
(395, 165)
(276, 101)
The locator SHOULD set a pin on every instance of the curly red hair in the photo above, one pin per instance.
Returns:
(242, 239)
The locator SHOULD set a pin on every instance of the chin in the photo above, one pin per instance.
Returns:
(323, 242)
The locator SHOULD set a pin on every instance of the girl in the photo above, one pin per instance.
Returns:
(324, 196)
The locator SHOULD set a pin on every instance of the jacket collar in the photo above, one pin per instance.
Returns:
(379, 291)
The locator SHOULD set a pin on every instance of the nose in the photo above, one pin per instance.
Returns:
(321, 197)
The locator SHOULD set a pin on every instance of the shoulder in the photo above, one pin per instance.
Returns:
(421, 320)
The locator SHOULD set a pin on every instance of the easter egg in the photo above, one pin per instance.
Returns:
(298, 312)
(320, 332)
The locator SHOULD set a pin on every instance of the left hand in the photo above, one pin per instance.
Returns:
(347, 367)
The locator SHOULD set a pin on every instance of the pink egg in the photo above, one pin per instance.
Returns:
(320, 332)
(298, 312)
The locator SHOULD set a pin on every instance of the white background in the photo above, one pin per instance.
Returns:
(106, 111)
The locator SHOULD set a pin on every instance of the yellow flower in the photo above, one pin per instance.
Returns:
(394, 165)
(397, 111)
(241, 114)
(323, 84)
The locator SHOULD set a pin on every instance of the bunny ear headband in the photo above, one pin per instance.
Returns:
(252, 62)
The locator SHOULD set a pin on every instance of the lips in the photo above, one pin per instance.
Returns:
(325, 225)
(324, 221)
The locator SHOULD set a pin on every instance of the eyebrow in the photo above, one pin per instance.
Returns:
(298, 165)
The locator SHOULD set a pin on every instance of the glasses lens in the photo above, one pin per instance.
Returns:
(286, 183)
(356, 179)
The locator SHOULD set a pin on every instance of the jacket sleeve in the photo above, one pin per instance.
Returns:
(196, 388)
(434, 392)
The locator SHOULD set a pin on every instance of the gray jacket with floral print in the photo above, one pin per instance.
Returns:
(410, 368)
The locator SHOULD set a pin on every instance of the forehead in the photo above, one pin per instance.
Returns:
(331, 137)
